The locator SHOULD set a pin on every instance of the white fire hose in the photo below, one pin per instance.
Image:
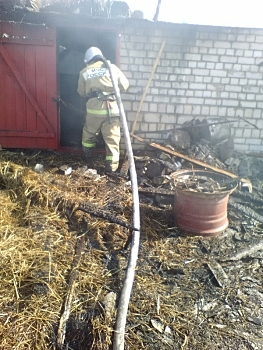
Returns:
(118, 340)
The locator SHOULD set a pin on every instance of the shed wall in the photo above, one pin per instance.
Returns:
(203, 72)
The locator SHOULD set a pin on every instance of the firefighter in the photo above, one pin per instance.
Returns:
(102, 112)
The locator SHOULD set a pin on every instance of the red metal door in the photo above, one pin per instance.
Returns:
(28, 84)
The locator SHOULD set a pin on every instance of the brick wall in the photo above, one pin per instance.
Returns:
(204, 71)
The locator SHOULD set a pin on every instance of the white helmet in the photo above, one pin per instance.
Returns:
(90, 53)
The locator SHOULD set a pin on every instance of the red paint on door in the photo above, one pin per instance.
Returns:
(28, 84)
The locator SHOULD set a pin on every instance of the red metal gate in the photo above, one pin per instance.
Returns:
(28, 84)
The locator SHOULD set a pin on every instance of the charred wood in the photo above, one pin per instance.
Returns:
(189, 159)
(69, 297)
(171, 166)
(154, 169)
(218, 272)
(253, 198)
(87, 208)
(245, 210)
(248, 252)
(168, 165)
(154, 190)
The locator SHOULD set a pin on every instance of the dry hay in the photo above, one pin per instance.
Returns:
(176, 302)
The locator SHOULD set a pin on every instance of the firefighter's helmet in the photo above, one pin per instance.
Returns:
(91, 53)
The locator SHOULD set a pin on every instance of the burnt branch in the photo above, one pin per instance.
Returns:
(87, 208)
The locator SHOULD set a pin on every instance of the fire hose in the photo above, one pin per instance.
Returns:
(118, 340)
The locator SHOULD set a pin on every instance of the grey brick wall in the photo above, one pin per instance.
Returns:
(204, 71)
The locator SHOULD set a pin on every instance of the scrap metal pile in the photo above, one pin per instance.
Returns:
(65, 233)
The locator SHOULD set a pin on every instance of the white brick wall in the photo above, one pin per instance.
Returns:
(203, 72)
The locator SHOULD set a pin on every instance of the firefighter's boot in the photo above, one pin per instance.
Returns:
(110, 166)
(88, 152)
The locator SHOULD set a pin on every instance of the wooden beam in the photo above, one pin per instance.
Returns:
(148, 85)
(192, 160)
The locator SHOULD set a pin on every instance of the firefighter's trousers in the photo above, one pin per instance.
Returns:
(110, 131)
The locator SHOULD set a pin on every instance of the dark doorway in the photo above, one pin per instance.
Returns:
(72, 44)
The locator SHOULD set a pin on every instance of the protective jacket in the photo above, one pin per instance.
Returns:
(102, 109)
(96, 77)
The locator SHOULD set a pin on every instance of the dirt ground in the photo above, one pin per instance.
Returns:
(189, 292)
